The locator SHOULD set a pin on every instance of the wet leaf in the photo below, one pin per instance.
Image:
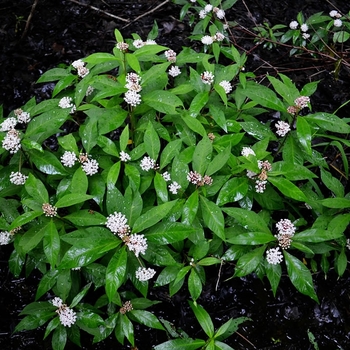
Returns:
(213, 217)
(203, 318)
(233, 190)
(194, 285)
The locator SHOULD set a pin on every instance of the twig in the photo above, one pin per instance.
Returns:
(146, 13)
(99, 10)
(29, 19)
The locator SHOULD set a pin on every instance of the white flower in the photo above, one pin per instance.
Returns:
(166, 176)
(208, 8)
(122, 46)
(147, 163)
(226, 85)
(194, 177)
(5, 237)
(133, 86)
(202, 14)
(348, 243)
(132, 98)
(117, 223)
(282, 128)
(150, 42)
(58, 302)
(335, 14)
(83, 72)
(138, 43)
(304, 27)
(285, 226)
(137, 244)
(174, 71)
(67, 316)
(8, 124)
(293, 25)
(67, 102)
(49, 210)
(306, 36)
(260, 186)
(246, 151)
(274, 256)
(219, 36)
(68, 159)
(12, 141)
(23, 117)
(170, 55)
(90, 167)
(89, 90)
(193, 0)
(338, 23)
(207, 77)
(251, 174)
(78, 63)
(219, 13)
(143, 274)
(17, 178)
(207, 40)
(124, 157)
(133, 78)
(174, 187)
(302, 101)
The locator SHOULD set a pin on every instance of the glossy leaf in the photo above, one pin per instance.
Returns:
(162, 101)
(146, 318)
(72, 199)
(203, 318)
(252, 238)
(169, 232)
(304, 134)
(202, 155)
(86, 218)
(47, 163)
(213, 217)
(247, 263)
(51, 243)
(184, 344)
(273, 274)
(194, 285)
(59, 338)
(152, 142)
(233, 190)
(36, 189)
(288, 188)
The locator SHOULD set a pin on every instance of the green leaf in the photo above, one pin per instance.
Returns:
(46, 162)
(35, 320)
(304, 134)
(36, 189)
(51, 243)
(248, 263)
(68, 143)
(316, 235)
(46, 283)
(203, 318)
(190, 208)
(79, 182)
(59, 338)
(183, 344)
(72, 199)
(162, 101)
(337, 203)
(273, 273)
(332, 183)
(199, 101)
(252, 238)
(24, 219)
(201, 155)
(288, 188)
(329, 122)
(213, 217)
(86, 218)
(233, 190)
(341, 263)
(300, 276)
(152, 142)
(88, 319)
(80, 296)
(161, 188)
(63, 84)
(146, 318)
(53, 75)
(194, 285)
(219, 161)
(133, 62)
(152, 216)
(229, 327)
(248, 219)
(89, 133)
(171, 150)
(193, 124)
(115, 273)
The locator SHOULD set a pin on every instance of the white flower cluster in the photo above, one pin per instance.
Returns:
(127, 306)
(89, 166)
(68, 159)
(147, 163)
(300, 103)
(293, 25)
(174, 71)
(67, 102)
(304, 28)
(49, 210)
(67, 316)
(132, 96)
(5, 237)
(348, 243)
(124, 157)
(12, 141)
(22, 117)
(208, 40)
(17, 178)
(174, 187)
(207, 77)
(197, 179)
(170, 55)
(286, 230)
(89, 90)
(136, 243)
(8, 124)
(226, 85)
(335, 14)
(246, 151)
(143, 274)
(122, 46)
(220, 14)
(82, 71)
(166, 176)
(117, 223)
(138, 43)
(274, 256)
(282, 128)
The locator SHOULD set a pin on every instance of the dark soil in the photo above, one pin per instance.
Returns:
(62, 31)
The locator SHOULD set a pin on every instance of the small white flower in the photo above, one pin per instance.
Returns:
(174, 187)
(208, 8)
(133, 86)
(194, 177)
(202, 14)
(207, 40)
(166, 176)
(150, 42)
(293, 25)
(260, 186)
(90, 167)
(68, 159)
(207, 77)
(132, 98)
(147, 163)
(226, 85)
(12, 141)
(274, 256)
(246, 151)
(338, 23)
(335, 14)
(67, 316)
(170, 55)
(285, 226)
(193, 1)
(137, 244)
(117, 223)
(23, 118)
(78, 64)
(124, 157)
(122, 46)
(83, 72)
(143, 274)
(174, 71)
(348, 243)
(138, 43)
(89, 90)
(282, 128)
(305, 36)
(251, 174)
(58, 302)
(66, 102)
(8, 124)
(5, 237)
(133, 78)
(49, 210)
(219, 36)
(17, 178)
(220, 14)
(302, 102)
(304, 27)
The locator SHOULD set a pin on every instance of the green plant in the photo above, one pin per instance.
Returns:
(146, 162)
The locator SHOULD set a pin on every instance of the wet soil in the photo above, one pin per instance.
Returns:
(62, 31)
